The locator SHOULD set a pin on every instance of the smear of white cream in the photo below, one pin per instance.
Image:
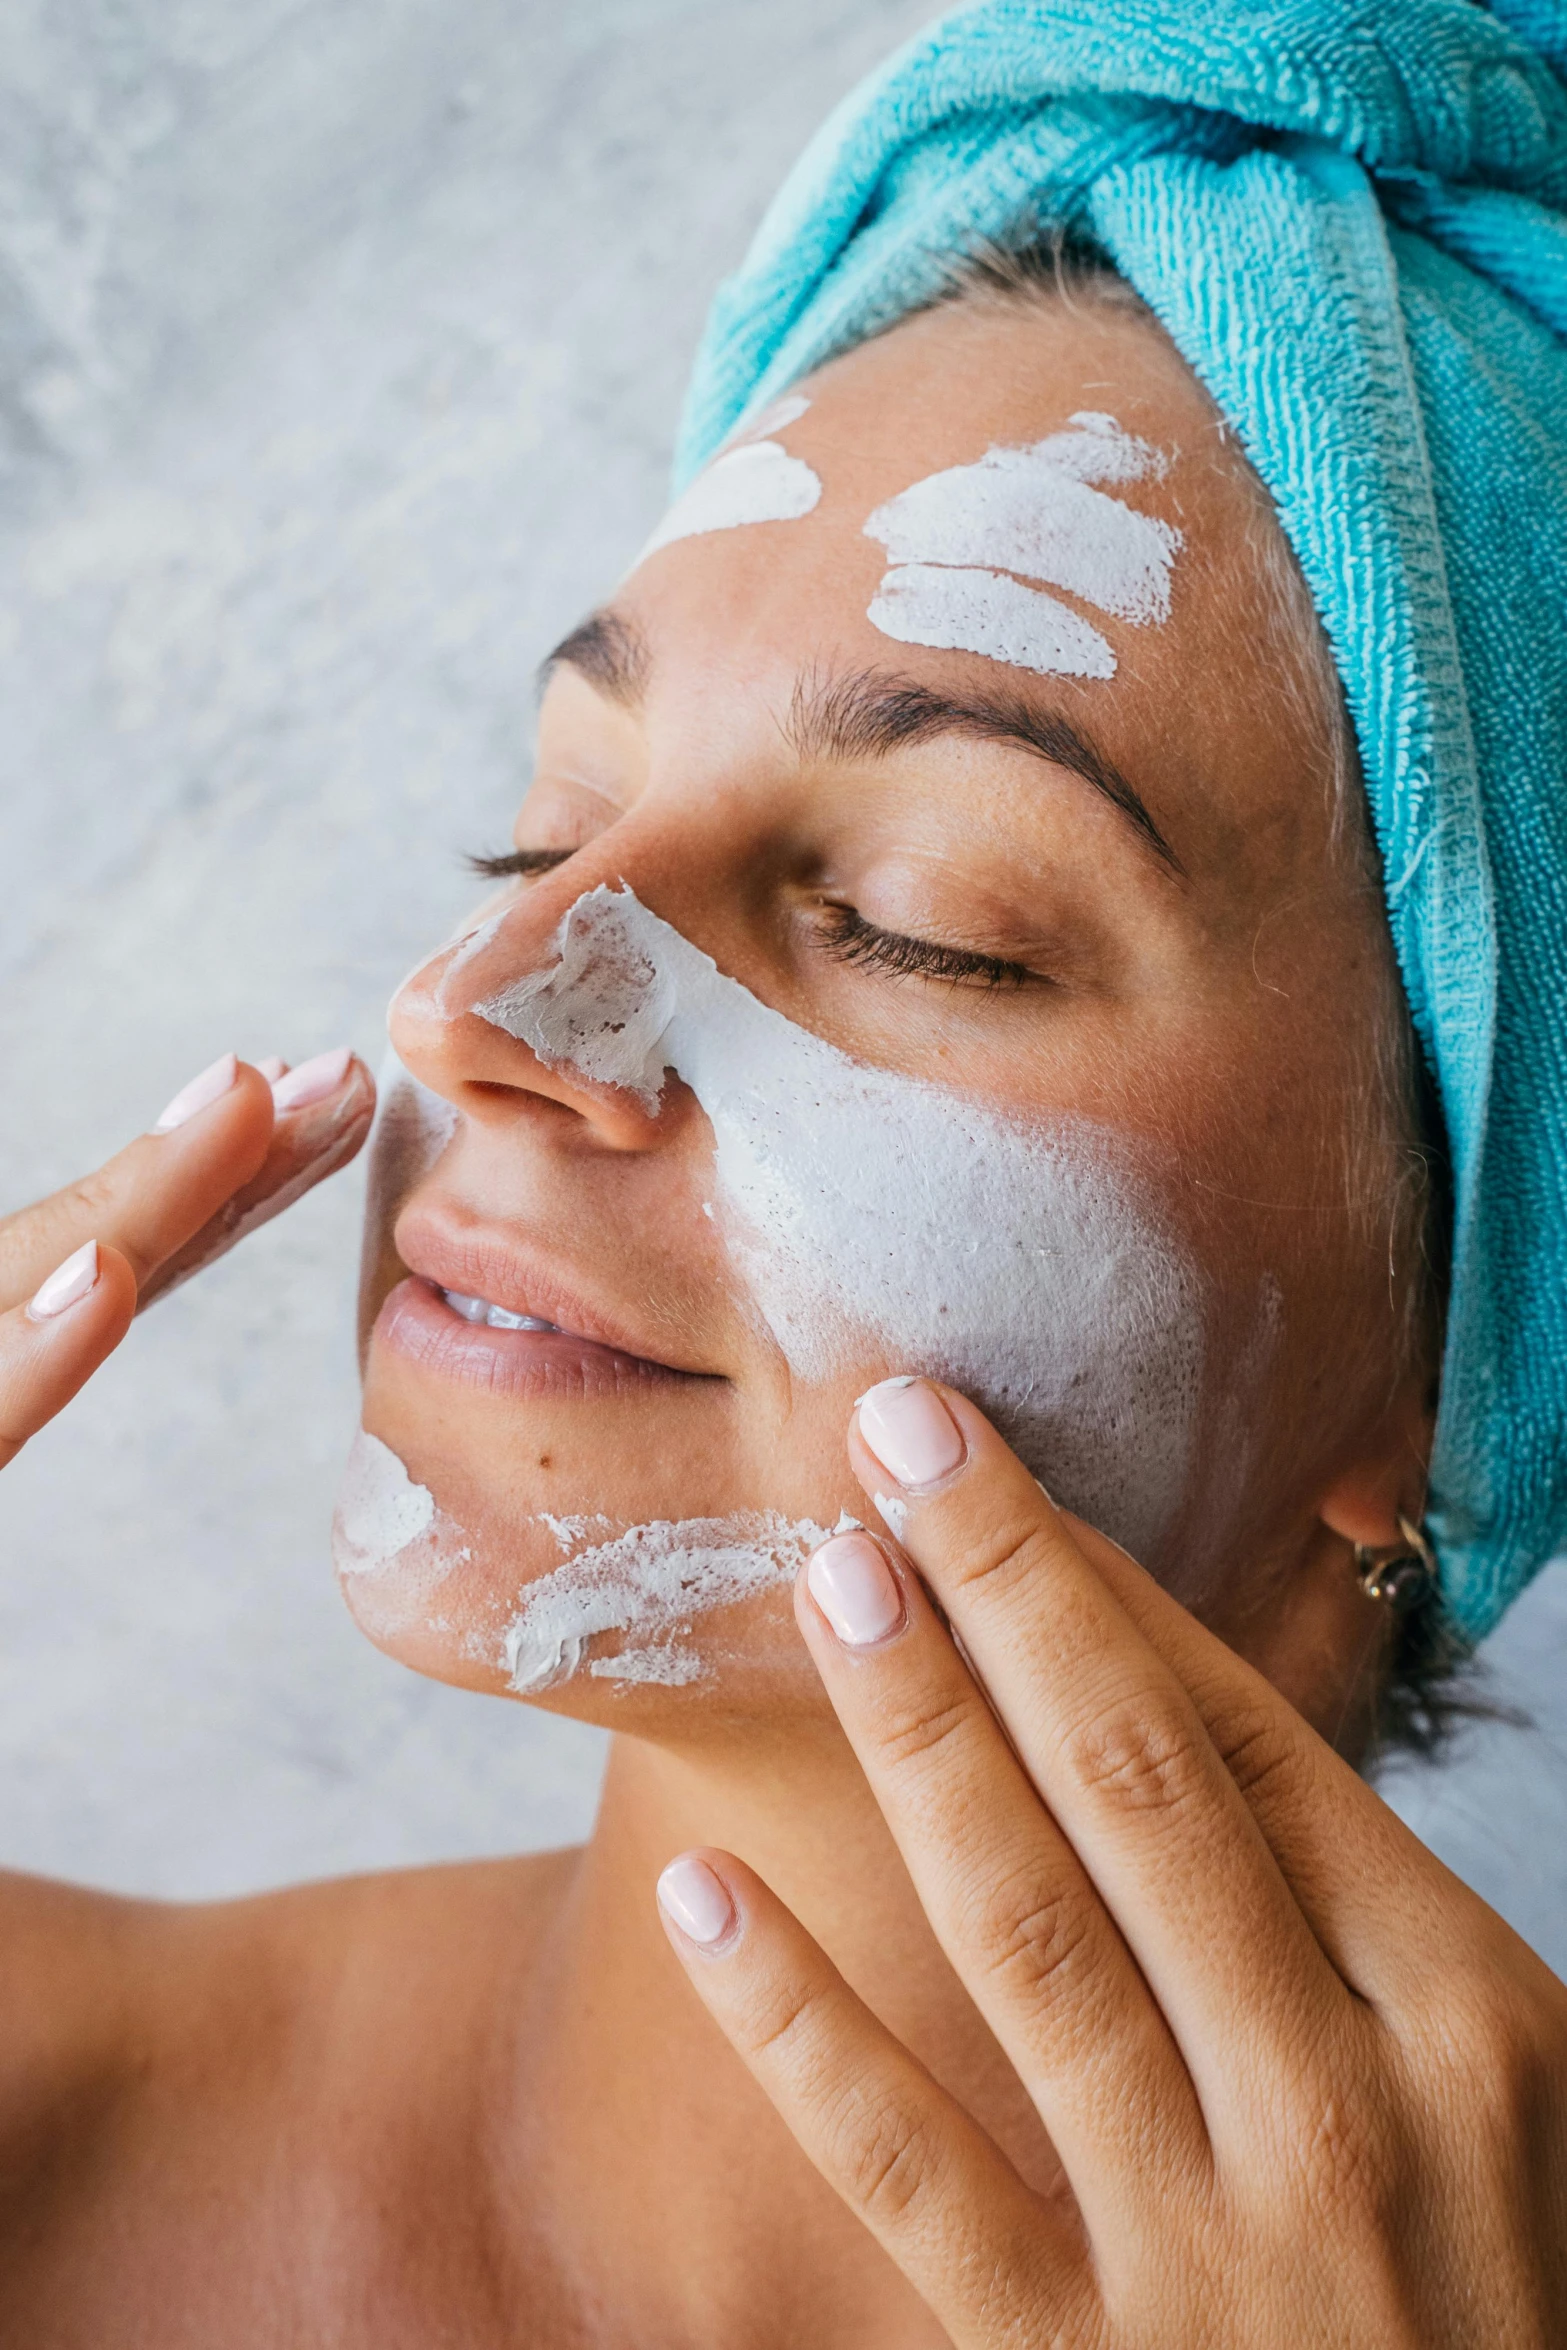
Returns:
(1022, 1259)
(392, 1545)
(571, 1532)
(986, 612)
(750, 481)
(777, 416)
(652, 1580)
(955, 536)
(412, 1128)
(894, 1513)
(380, 1510)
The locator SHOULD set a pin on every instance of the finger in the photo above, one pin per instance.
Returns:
(1115, 1745)
(148, 1199)
(1010, 1902)
(993, 2261)
(53, 1344)
(223, 1158)
(323, 1110)
(1349, 1861)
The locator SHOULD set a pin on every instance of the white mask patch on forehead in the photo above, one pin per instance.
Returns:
(1020, 1258)
(750, 481)
(1034, 513)
(777, 416)
(986, 612)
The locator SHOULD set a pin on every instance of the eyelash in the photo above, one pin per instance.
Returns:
(846, 935)
(517, 861)
(851, 939)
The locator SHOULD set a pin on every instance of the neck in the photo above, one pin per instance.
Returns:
(635, 2081)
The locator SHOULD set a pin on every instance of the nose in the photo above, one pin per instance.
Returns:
(438, 1024)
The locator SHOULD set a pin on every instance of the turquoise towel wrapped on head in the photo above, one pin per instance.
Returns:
(1351, 216)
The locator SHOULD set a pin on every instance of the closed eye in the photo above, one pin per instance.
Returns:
(515, 861)
(845, 934)
(849, 938)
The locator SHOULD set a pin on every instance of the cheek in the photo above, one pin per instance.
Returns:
(869, 1213)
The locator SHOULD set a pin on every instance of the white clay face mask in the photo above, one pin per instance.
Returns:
(866, 1212)
(958, 540)
(648, 1584)
(753, 480)
(645, 1586)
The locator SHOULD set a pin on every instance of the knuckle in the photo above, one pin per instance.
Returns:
(881, 2153)
(1012, 1549)
(924, 1725)
(1140, 1753)
(1344, 2165)
(884, 2158)
(1032, 1936)
(97, 1194)
(1503, 2055)
(779, 2019)
(1258, 1750)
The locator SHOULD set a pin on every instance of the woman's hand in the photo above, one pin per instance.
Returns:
(1306, 2088)
(234, 1147)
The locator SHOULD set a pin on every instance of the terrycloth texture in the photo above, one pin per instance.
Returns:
(1351, 215)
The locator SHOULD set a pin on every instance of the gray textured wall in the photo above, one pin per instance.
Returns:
(340, 348)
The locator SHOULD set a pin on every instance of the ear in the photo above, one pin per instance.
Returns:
(1387, 1478)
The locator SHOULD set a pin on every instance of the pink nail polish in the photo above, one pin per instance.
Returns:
(66, 1283)
(200, 1094)
(696, 1899)
(911, 1431)
(272, 1068)
(312, 1081)
(854, 1587)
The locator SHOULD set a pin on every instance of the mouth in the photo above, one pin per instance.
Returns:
(482, 1309)
(470, 1340)
(494, 1317)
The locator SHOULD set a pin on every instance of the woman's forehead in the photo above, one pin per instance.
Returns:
(942, 507)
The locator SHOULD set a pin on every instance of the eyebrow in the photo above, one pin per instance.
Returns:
(608, 652)
(875, 713)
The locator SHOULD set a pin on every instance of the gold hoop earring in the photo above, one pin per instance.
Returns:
(1397, 1573)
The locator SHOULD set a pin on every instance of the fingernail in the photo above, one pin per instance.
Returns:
(201, 1092)
(697, 1900)
(854, 1587)
(66, 1283)
(272, 1068)
(312, 1081)
(911, 1431)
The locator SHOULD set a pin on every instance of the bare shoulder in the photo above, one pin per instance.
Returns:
(152, 2052)
(78, 1968)
(65, 1962)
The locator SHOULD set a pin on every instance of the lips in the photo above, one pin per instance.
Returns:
(489, 1310)
(535, 1361)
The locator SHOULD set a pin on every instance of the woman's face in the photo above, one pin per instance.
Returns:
(1021, 1010)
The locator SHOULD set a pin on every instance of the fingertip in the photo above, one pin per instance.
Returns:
(695, 1901)
(312, 1081)
(117, 1277)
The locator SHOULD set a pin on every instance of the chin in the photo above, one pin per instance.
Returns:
(668, 1677)
(542, 1516)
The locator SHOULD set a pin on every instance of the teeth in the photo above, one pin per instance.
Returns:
(479, 1309)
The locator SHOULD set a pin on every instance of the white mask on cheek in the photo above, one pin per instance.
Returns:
(1020, 1259)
